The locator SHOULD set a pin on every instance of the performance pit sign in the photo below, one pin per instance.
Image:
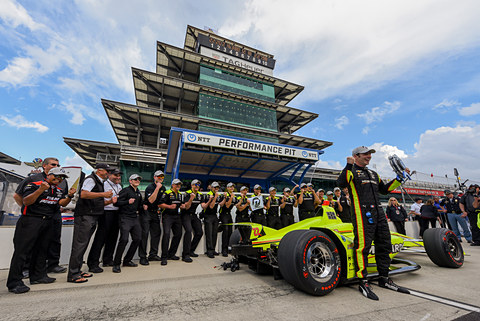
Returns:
(249, 146)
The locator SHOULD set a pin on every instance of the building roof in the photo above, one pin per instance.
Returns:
(154, 124)
(158, 91)
(177, 62)
(4, 158)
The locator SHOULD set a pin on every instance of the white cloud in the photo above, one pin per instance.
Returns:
(445, 105)
(473, 109)
(79, 111)
(76, 160)
(459, 149)
(15, 15)
(341, 122)
(20, 122)
(329, 164)
(376, 114)
(354, 46)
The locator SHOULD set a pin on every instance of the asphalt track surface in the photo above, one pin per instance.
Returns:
(181, 291)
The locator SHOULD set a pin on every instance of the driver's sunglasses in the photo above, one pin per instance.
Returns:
(54, 164)
(137, 179)
(60, 178)
(197, 184)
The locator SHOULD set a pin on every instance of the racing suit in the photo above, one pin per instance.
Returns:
(368, 218)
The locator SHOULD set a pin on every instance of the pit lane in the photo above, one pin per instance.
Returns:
(181, 291)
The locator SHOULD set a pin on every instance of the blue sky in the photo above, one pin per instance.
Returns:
(402, 77)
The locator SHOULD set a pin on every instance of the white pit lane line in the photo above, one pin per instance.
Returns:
(446, 301)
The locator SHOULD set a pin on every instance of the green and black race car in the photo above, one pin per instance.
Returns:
(316, 255)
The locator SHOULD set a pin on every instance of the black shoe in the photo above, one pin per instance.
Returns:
(224, 254)
(57, 269)
(116, 269)
(187, 259)
(216, 253)
(474, 244)
(366, 290)
(469, 241)
(164, 262)
(154, 258)
(387, 283)
(144, 261)
(105, 264)
(192, 254)
(130, 264)
(174, 258)
(19, 289)
(25, 274)
(210, 255)
(96, 269)
(44, 280)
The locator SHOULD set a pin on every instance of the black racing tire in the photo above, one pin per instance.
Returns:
(443, 247)
(310, 261)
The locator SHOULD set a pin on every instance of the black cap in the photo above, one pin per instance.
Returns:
(115, 171)
(102, 166)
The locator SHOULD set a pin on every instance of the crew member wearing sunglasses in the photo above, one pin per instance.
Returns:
(41, 201)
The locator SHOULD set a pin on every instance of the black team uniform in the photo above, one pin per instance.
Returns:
(226, 218)
(54, 247)
(129, 223)
(258, 214)
(273, 218)
(33, 234)
(211, 224)
(242, 216)
(171, 222)
(150, 221)
(87, 213)
(345, 215)
(369, 222)
(397, 215)
(192, 224)
(286, 213)
(307, 208)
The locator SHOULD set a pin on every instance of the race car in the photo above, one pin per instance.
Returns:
(316, 255)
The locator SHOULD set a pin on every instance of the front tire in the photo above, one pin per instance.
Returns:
(310, 261)
(443, 247)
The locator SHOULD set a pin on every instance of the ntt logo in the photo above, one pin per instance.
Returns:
(191, 137)
(304, 154)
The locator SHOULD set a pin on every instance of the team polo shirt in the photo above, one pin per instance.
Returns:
(199, 199)
(46, 204)
(169, 198)
(274, 206)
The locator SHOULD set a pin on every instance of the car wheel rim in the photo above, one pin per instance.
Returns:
(320, 262)
(453, 248)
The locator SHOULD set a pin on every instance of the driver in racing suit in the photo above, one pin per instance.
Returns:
(369, 221)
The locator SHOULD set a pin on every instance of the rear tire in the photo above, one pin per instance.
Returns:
(443, 247)
(310, 261)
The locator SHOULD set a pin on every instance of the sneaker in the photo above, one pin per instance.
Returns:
(164, 262)
(366, 290)
(44, 280)
(224, 254)
(144, 261)
(216, 253)
(116, 269)
(96, 269)
(19, 289)
(187, 259)
(174, 258)
(210, 255)
(192, 254)
(387, 283)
